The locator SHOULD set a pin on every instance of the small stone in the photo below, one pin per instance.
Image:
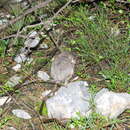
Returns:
(32, 43)
(21, 114)
(62, 67)
(33, 40)
(4, 99)
(69, 100)
(43, 75)
(111, 104)
(17, 67)
(20, 58)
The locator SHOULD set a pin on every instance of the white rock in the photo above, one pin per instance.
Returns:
(111, 104)
(62, 67)
(13, 81)
(21, 114)
(4, 99)
(46, 92)
(31, 43)
(43, 75)
(69, 100)
(33, 40)
(17, 67)
(20, 58)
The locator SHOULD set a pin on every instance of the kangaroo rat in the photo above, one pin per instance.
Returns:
(62, 67)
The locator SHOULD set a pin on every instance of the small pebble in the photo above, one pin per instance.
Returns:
(43, 75)
(33, 40)
(21, 114)
(20, 58)
(17, 67)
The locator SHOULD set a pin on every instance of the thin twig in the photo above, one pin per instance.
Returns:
(51, 20)
(12, 36)
(41, 5)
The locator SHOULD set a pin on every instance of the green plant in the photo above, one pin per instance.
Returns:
(5, 88)
(115, 78)
(93, 122)
(3, 47)
(93, 89)
(95, 44)
(4, 121)
(44, 109)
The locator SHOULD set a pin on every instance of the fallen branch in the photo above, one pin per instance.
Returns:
(41, 5)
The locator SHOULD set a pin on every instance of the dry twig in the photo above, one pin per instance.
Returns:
(41, 5)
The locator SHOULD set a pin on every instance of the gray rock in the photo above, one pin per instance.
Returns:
(111, 104)
(33, 40)
(23, 55)
(43, 75)
(21, 114)
(20, 58)
(69, 100)
(62, 67)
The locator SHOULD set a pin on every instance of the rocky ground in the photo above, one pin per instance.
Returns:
(61, 43)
